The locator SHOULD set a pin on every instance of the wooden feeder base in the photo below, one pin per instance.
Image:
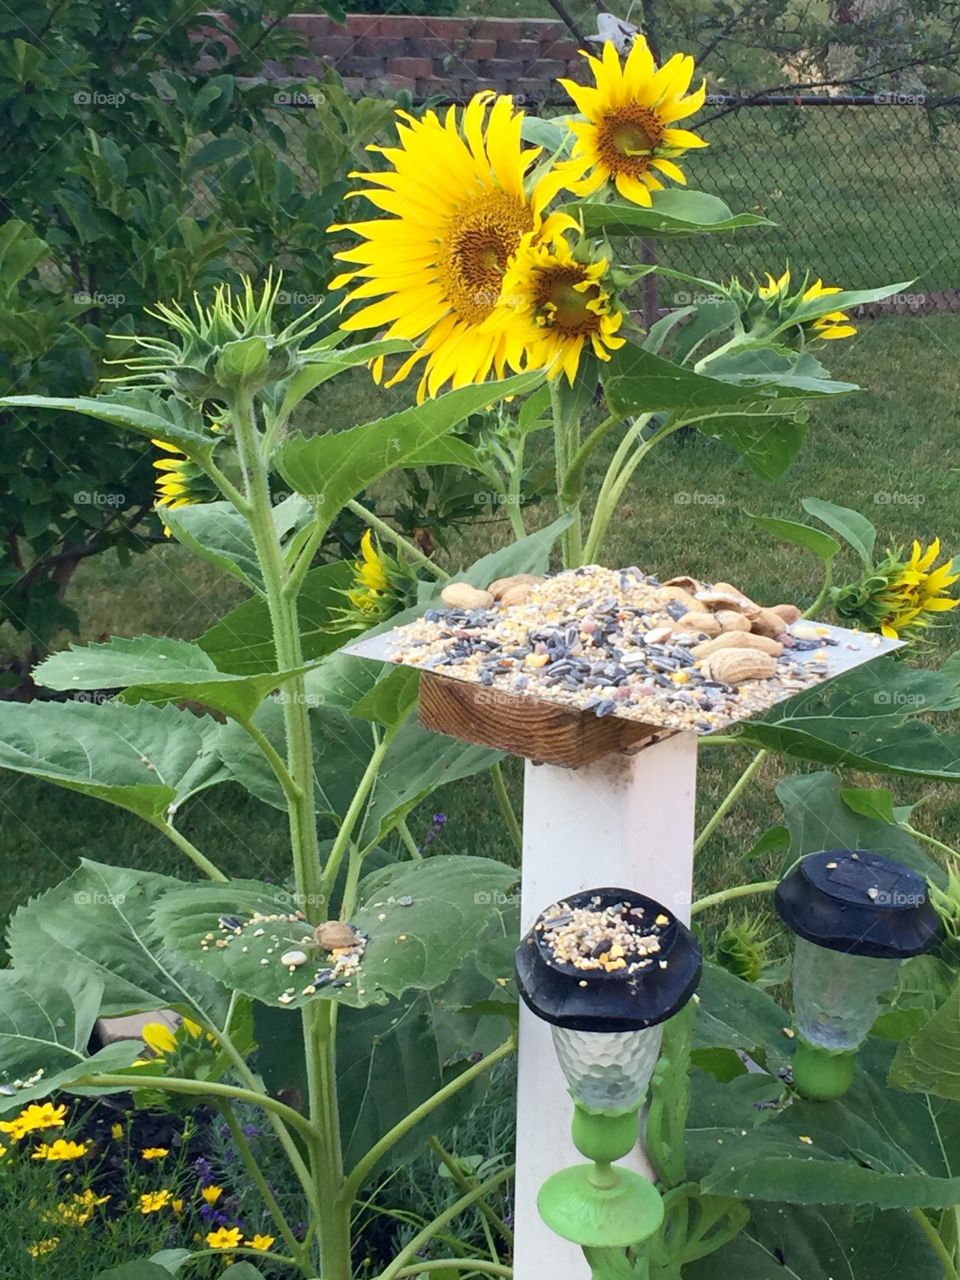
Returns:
(545, 732)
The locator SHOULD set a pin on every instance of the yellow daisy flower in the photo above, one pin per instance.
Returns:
(42, 1115)
(79, 1211)
(835, 324)
(43, 1247)
(461, 196)
(627, 136)
(554, 306)
(224, 1238)
(154, 1153)
(211, 1194)
(260, 1242)
(61, 1149)
(154, 1201)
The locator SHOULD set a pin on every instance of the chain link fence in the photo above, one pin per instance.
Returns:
(864, 192)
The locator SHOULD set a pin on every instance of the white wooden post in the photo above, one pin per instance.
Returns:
(625, 821)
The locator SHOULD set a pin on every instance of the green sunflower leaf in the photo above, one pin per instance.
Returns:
(46, 1022)
(872, 1147)
(637, 381)
(99, 923)
(142, 758)
(799, 535)
(145, 412)
(854, 528)
(421, 919)
(867, 719)
(219, 534)
(242, 641)
(333, 468)
(673, 214)
(158, 669)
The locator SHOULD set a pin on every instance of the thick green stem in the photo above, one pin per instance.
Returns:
(199, 860)
(405, 834)
(824, 595)
(730, 895)
(269, 1199)
(342, 842)
(736, 791)
(618, 476)
(566, 442)
(405, 545)
(506, 807)
(399, 1265)
(367, 1163)
(290, 788)
(326, 1156)
(932, 841)
(939, 1248)
(206, 1089)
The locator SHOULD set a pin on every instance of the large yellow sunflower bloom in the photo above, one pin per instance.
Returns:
(554, 306)
(462, 196)
(627, 133)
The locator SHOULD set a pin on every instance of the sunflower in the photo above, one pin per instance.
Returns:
(462, 196)
(627, 133)
(832, 325)
(901, 598)
(181, 483)
(554, 305)
(381, 587)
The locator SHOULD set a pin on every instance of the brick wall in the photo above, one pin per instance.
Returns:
(448, 57)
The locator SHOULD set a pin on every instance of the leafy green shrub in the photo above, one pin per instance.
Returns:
(150, 176)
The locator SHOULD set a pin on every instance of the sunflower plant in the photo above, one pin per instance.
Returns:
(492, 262)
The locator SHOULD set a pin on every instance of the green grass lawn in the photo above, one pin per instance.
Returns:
(896, 438)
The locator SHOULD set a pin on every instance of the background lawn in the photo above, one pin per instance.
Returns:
(888, 452)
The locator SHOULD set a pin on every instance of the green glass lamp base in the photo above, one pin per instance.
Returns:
(597, 1207)
(820, 1074)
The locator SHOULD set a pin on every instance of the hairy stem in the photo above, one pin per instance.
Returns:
(726, 805)
(457, 1264)
(404, 544)
(506, 807)
(326, 1155)
(199, 860)
(208, 1089)
(618, 476)
(932, 841)
(730, 895)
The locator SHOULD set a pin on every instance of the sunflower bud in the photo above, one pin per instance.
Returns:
(769, 309)
(227, 347)
(899, 598)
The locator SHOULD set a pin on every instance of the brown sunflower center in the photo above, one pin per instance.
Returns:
(560, 305)
(480, 240)
(628, 136)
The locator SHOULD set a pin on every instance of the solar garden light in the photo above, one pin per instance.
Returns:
(606, 968)
(856, 917)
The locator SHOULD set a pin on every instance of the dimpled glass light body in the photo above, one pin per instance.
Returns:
(608, 1072)
(836, 996)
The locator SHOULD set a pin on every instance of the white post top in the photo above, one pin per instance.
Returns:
(625, 821)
